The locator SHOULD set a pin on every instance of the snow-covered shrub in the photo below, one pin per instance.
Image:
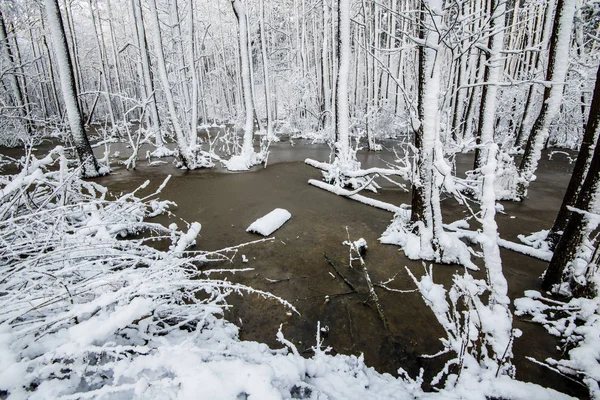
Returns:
(470, 329)
(577, 324)
(83, 302)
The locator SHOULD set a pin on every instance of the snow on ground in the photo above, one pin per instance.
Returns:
(87, 311)
(270, 222)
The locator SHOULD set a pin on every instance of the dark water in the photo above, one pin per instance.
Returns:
(226, 203)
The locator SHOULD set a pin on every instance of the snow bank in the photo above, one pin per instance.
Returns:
(270, 222)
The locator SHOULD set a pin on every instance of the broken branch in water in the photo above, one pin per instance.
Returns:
(346, 281)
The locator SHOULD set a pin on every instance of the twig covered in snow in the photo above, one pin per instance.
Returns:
(358, 247)
(577, 324)
(79, 305)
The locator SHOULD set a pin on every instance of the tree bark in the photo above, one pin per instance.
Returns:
(89, 164)
(240, 13)
(584, 157)
(579, 222)
(558, 60)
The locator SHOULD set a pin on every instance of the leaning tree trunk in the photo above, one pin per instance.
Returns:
(580, 221)
(103, 65)
(182, 143)
(89, 164)
(558, 62)
(586, 152)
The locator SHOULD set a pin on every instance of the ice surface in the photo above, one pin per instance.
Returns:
(270, 222)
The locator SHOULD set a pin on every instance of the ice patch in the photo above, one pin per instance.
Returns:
(270, 222)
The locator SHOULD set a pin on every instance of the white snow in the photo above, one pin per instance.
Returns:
(270, 222)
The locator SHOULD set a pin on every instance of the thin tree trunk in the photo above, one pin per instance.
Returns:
(182, 142)
(558, 61)
(194, 75)
(105, 77)
(147, 75)
(89, 164)
(8, 61)
(267, 83)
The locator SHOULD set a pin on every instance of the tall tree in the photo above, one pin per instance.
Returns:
(342, 123)
(558, 63)
(11, 72)
(584, 157)
(581, 219)
(89, 164)
(148, 83)
(186, 154)
(493, 70)
(426, 212)
(239, 9)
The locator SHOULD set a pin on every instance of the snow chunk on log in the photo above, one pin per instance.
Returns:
(270, 222)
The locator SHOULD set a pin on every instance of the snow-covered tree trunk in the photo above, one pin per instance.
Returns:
(10, 70)
(194, 75)
(526, 120)
(239, 9)
(342, 123)
(265, 60)
(325, 75)
(493, 71)
(182, 141)
(119, 73)
(558, 63)
(148, 83)
(426, 213)
(584, 158)
(586, 208)
(498, 325)
(89, 164)
(105, 75)
(51, 71)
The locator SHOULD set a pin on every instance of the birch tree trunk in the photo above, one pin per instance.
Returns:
(89, 164)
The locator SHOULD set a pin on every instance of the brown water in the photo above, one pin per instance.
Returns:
(226, 203)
